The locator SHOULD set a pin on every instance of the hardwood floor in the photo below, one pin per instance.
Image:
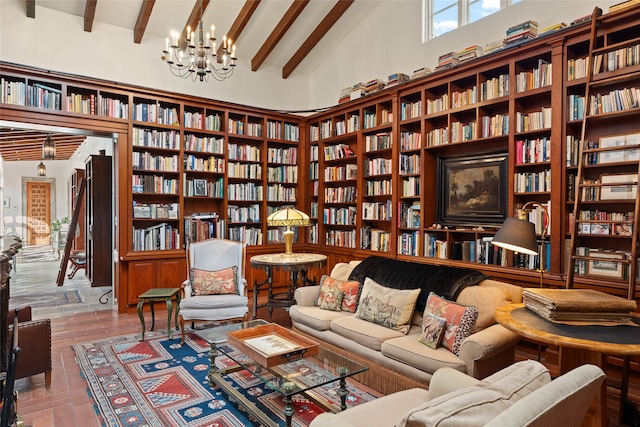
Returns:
(68, 404)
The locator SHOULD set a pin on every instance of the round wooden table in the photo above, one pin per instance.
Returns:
(295, 264)
(578, 345)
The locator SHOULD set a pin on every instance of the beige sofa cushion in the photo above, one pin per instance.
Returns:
(315, 317)
(486, 299)
(365, 333)
(408, 349)
(478, 404)
(342, 270)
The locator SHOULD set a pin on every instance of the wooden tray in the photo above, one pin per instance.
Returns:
(269, 336)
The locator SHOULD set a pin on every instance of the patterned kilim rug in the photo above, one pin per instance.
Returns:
(158, 382)
(46, 299)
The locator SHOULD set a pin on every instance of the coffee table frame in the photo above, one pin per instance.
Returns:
(339, 367)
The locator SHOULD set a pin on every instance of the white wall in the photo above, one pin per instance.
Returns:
(56, 41)
(390, 42)
(386, 40)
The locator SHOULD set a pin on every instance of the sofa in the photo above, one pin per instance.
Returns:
(519, 395)
(397, 359)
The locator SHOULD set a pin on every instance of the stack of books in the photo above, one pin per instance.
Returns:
(522, 32)
(472, 52)
(494, 46)
(373, 86)
(447, 60)
(578, 306)
(421, 72)
(352, 92)
(396, 79)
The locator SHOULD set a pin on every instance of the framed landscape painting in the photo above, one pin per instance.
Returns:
(472, 190)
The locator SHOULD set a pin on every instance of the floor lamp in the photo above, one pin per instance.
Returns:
(519, 235)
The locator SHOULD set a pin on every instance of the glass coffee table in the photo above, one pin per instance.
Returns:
(288, 378)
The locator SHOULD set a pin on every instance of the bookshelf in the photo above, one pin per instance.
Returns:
(511, 101)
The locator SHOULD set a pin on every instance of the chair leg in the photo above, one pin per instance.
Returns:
(182, 330)
(47, 380)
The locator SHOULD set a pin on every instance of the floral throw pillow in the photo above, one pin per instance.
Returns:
(348, 288)
(392, 308)
(432, 330)
(220, 282)
(460, 320)
(330, 299)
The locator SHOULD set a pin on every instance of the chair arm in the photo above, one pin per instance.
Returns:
(306, 295)
(185, 289)
(446, 380)
(34, 337)
(242, 287)
(485, 344)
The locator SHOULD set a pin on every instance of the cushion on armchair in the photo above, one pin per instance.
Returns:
(477, 404)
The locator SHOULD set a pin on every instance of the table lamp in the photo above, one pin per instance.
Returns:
(288, 217)
(519, 235)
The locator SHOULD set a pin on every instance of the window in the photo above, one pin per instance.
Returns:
(442, 16)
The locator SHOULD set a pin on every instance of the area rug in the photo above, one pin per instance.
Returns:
(46, 299)
(158, 382)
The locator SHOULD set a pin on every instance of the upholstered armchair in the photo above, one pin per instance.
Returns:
(35, 341)
(216, 288)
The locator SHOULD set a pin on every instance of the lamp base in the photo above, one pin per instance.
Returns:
(288, 241)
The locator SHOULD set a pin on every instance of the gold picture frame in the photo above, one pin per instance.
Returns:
(603, 267)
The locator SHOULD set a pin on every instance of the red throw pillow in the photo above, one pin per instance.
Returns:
(460, 320)
(349, 288)
(220, 282)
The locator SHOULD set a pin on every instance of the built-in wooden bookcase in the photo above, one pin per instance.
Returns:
(282, 172)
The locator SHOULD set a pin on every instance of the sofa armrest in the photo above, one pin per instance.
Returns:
(494, 342)
(34, 337)
(306, 295)
(446, 380)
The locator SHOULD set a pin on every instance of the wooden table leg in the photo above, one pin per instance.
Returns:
(571, 358)
(141, 316)
(169, 310)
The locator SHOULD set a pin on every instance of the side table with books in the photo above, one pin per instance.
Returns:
(578, 344)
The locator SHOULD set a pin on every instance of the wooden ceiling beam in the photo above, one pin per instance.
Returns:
(240, 22)
(278, 32)
(89, 14)
(31, 8)
(143, 20)
(323, 27)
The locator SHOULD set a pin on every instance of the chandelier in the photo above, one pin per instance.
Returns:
(49, 148)
(199, 60)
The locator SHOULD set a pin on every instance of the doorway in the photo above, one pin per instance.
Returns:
(38, 212)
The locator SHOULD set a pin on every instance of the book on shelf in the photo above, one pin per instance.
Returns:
(578, 305)
(553, 28)
(623, 5)
(420, 72)
(271, 345)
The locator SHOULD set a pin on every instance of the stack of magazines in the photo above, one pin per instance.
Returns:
(586, 306)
